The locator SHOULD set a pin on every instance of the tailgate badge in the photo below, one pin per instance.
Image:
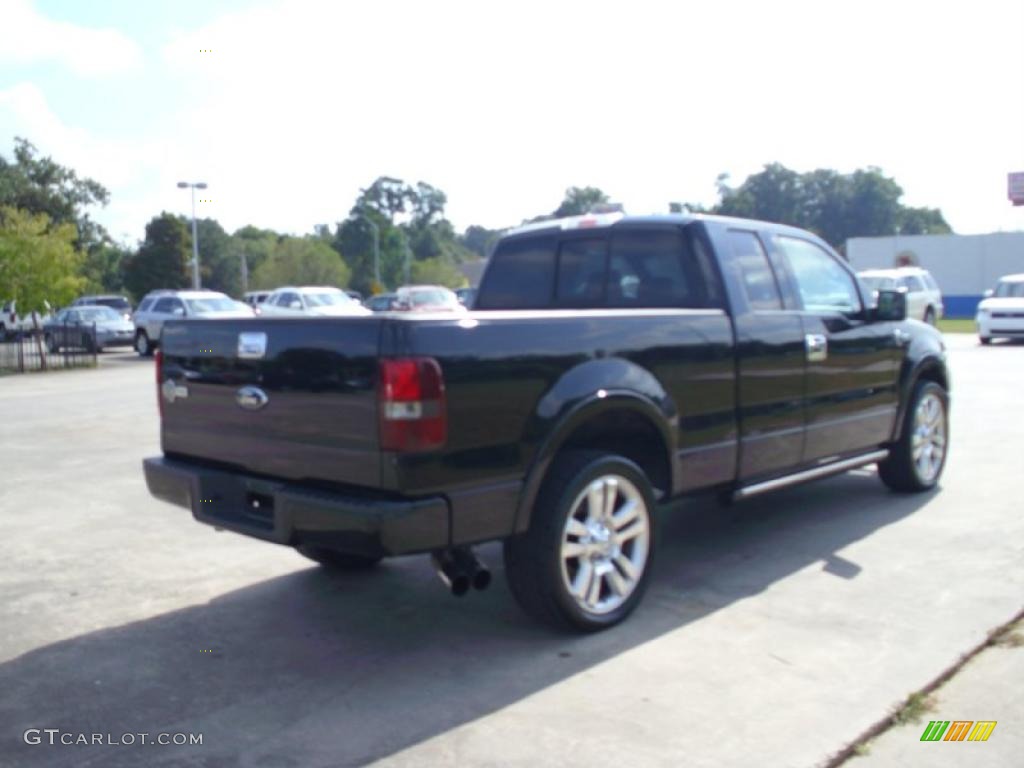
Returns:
(173, 391)
(252, 345)
(251, 398)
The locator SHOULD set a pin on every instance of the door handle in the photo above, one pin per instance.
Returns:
(816, 345)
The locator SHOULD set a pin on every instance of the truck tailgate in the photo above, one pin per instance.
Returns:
(305, 409)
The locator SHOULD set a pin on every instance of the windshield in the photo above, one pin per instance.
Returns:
(1008, 289)
(98, 315)
(431, 298)
(116, 302)
(876, 283)
(327, 299)
(211, 304)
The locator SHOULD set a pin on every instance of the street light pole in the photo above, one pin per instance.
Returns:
(376, 250)
(195, 234)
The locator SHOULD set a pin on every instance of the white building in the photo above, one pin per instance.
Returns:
(963, 265)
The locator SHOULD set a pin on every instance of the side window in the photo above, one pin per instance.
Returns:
(581, 272)
(823, 284)
(911, 283)
(521, 275)
(164, 305)
(657, 268)
(287, 299)
(930, 282)
(758, 279)
(145, 305)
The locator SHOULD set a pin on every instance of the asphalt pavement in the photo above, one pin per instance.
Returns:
(774, 633)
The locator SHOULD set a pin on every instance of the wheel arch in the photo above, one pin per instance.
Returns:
(616, 421)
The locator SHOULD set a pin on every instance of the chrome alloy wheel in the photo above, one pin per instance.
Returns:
(605, 544)
(928, 443)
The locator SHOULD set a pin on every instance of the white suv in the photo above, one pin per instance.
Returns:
(924, 299)
(160, 306)
(1001, 312)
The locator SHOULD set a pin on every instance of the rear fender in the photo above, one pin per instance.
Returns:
(587, 392)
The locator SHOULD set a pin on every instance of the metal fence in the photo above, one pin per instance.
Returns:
(55, 348)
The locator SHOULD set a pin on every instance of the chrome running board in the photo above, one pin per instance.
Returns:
(809, 474)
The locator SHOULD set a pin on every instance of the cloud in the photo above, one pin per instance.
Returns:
(27, 36)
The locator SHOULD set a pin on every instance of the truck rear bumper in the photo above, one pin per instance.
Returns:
(288, 514)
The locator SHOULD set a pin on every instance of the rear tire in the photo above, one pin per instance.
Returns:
(917, 459)
(143, 345)
(985, 340)
(337, 561)
(585, 561)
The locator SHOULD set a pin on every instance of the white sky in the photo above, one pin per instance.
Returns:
(504, 105)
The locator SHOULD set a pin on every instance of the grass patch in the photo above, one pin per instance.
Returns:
(957, 325)
(917, 705)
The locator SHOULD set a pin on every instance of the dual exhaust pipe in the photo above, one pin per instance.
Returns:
(460, 569)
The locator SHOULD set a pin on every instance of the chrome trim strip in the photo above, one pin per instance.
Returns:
(810, 474)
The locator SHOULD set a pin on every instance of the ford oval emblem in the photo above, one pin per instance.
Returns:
(251, 398)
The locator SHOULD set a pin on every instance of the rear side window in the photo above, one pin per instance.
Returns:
(521, 275)
(758, 279)
(657, 268)
(164, 305)
(581, 272)
(911, 283)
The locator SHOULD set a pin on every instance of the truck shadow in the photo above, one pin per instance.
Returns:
(314, 668)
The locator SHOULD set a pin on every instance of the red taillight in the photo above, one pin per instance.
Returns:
(158, 358)
(411, 404)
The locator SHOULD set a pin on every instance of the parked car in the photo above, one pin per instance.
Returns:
(157, 307)
(924, 299)
(466, 296)
(1001, 313)
(118, 303)
(255, 298)
(92, 328)
(656, 357)
(427, 298)
(311, 300)
(382, 302)
(12, 324)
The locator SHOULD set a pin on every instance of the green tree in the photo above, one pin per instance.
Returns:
(39, 263)
(833, 205)
(436, 272)
(301, 261)
(579, 200)
(479, 240)
(41, 186)
(103, 268)
(162, 260)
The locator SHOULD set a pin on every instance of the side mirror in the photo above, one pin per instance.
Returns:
(989, 293)
(891, 306)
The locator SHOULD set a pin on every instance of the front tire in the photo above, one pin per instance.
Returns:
(584, 563)
(337, 561)
(985, 340)
(917, 459)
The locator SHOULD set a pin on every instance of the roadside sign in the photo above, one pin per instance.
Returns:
(1015, 187)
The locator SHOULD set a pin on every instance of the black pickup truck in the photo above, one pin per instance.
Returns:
(610, 364)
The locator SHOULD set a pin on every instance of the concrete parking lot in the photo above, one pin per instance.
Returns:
(774, 633)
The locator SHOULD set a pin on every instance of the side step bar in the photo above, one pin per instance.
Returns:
(809, 474)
